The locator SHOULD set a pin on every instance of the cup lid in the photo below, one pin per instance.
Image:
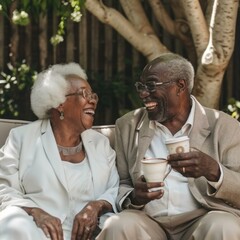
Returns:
(177, 139)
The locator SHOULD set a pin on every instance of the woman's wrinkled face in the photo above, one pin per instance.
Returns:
(80, 105)
(159, 94)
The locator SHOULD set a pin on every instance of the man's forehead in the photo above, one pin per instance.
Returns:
(152, 70)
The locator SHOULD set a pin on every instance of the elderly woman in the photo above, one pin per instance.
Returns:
(58, 178)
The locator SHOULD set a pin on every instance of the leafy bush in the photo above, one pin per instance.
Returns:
(15, 88)
(233, 108)
(117, 96)
(28, 10)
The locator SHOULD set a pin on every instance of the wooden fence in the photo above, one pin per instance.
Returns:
(111, 63)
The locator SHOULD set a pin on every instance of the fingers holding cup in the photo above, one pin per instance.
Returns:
(155, 170)
(178, 145)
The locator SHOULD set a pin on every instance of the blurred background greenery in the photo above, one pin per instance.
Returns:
(36, 34)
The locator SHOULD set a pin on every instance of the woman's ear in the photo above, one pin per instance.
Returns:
(60, 107)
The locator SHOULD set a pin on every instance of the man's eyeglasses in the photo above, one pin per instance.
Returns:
(85, 94)
(150, 86)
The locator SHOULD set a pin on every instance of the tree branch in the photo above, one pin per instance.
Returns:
(197, 23)
(162, 16)
(136, 15)
(147, 43)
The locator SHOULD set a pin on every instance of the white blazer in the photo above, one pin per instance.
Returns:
(31, 172)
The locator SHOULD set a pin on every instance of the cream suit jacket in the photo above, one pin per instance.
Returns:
(31, 172)
(214, 133)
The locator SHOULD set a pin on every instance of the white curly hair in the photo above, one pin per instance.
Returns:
(51, 86)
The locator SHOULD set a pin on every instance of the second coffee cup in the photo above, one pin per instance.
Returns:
(178, 145)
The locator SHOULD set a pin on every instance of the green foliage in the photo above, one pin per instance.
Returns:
(233, 108)
(118, 94)
(15, 87)
(28, 10)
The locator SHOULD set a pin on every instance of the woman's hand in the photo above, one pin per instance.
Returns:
(86, 221)
(50, 225)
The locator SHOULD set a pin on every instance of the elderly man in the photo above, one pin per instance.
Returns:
(200, 197)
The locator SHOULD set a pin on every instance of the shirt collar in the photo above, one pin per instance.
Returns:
(186, 128)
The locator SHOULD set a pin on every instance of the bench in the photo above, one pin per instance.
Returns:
(7, 124)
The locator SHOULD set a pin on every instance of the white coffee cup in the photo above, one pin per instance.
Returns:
(178, 145)
(155, 169)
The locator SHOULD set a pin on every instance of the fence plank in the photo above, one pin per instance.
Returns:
(96, 39)
(1, 41)
(108, 64)
(28, 43)
(70, 42)
(43, 40)
(83, 41)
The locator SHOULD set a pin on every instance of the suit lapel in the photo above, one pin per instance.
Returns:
(201, 128)
(51, 151)
(98, 166)
(144, 137)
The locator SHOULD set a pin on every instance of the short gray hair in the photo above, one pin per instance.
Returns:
(51, 86)
(175, 67)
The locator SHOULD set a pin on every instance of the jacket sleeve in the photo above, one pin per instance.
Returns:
(229, 158)
(126, 185)
(11, 191)
(110, 194)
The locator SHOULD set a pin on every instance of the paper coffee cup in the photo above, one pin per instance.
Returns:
(178, 145)
(155, 169)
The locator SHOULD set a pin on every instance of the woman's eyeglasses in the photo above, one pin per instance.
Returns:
(85, 94)
(150, 86)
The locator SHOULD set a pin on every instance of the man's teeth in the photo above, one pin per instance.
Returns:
(150, 105)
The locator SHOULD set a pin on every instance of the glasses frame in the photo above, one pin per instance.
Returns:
(154, 86)
(85, 94)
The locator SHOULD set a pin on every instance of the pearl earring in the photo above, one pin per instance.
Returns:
(61, 115)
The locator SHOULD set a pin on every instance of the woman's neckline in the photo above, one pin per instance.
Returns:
(67, 151)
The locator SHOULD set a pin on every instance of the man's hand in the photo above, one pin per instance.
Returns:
(142, 193)
(195, 164)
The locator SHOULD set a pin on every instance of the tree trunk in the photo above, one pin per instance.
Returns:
(217, 53)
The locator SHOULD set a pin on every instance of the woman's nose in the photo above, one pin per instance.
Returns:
(93, 100)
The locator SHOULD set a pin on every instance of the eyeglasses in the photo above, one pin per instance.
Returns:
(150, 86)
(85, 94)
